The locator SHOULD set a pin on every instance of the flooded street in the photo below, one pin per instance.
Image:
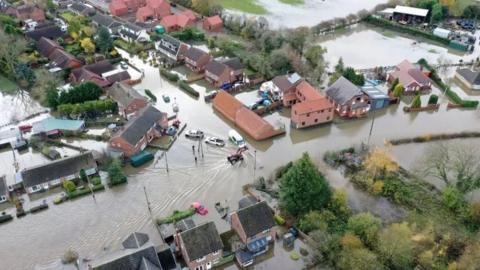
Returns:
(90, 227)
(312, 12)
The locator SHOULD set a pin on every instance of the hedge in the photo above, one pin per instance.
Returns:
(176, 216)
(85, 191)
(445, 88)
(151, 95)
(185, 87)
(169, 75)
(405, 29)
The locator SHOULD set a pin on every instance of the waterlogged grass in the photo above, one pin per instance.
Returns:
(293, 2)
(247, 6)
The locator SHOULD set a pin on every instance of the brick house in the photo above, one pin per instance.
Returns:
(196, 59)
(201, 246)
(255, 226)
(286, 84)
(171, 48)
(118, 8)
(349, 100)
(128, 99)
(213, 24)
(93, 73)
(27, 12)
(176, 22)
(147, 125)
(412, 78)
(225, 72)
(57, 55)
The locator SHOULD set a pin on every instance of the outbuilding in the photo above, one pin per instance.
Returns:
(378, 99)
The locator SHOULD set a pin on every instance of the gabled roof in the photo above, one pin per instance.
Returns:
(117, 76)
(189, 14)
(124, 94)
(195, 54)
(215, 67)
(169, 44)
(307, 91)
(62, 58)
(343, 90)
(256, 218)
(178, 20)
(137, 127)
(100, 67)
(57, 169)
(46, 46)
(471, 76)
(407, 74)
(214, 20)
(286, 82)
(50, 31)
(201, 241)
(103, 20)
(234, 63)
(315, 105)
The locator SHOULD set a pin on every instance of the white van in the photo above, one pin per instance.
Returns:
(236, 138)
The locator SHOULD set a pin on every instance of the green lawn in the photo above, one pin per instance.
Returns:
(67, 16)
(293, 2)
(248, 6)
(7, 86)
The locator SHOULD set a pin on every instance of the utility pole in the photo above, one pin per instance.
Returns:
(90, 187)
(254, 164)
(148, 202)
(166, 160)
(371, 128)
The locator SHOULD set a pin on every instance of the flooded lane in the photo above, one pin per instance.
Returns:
(89, 227)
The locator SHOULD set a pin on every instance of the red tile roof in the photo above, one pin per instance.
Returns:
(306, 90)
(407, 73)
(178, 20)
(312, 106)
(214, 20)
(190, 15)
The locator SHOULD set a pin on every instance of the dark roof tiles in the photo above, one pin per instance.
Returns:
(201, 241)
(256, 218)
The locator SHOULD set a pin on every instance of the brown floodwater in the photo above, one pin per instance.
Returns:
(90, 227)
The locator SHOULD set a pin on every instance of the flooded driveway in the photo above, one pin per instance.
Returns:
(90, 227)
(312, 12)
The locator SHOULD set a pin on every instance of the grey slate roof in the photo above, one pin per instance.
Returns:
(123, 94)
(167, 260)
(215, 67)
(184, 224)
(234, 63)
(246, 201)
(201, 241)
(57, 169)
(135, 240)
(50, 31)
(194, 54)
(137, 127)
(343, 90)
(103, 20)
(3, 186)
(118, 77)
(256, 218)
(471, 76)
(286, 82)
(169, 44)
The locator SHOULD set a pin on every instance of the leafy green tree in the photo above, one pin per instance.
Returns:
(417, 102)
(359, 259)
(80, 93)
(340, 66)
(437, 12)
(326, 247)
(433, 99)
(394, 84)
(314, 55)
(303, 188)
(395, 246)
(52, 98)
(115, 173)
(69, 186)
(365, 226)
(24, 75)
(104, 40)
(297, 39)
(453, 199)
(279, 62)
(312, 221)
(350, 74)
(339, 204)
(83, 176)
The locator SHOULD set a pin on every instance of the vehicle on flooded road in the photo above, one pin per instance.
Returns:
(236, 138)
(194, 134)
(215, 141)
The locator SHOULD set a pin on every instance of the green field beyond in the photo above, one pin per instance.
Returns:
(247, 6)
(293, 2)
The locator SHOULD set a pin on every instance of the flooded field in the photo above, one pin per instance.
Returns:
(15, 108)
(91, 227)
(311, 12)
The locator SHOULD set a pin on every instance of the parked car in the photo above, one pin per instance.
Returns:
(215, 141)
(194, 133)
(166, 98)
(123, 65)
(210, 95)
(171, 131)
(236, 138)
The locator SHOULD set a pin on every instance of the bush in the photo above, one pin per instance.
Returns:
(151, 95)
(169, 75)
(115, 173)
(184, 86)
(96, 181)
(417, 102)
(176, 216)
(433, 99)
(279, 220)
(69, 186)
(189, 34)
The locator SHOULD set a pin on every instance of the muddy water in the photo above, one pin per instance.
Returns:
(89, 227)
(312, 12)
(17, 107)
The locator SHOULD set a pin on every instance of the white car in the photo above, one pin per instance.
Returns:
(194, 134)
(236, 138)
(215, 141)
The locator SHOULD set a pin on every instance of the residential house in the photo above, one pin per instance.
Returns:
(147, 125)
(128, 99)
(201, 247)
(245, 119)
(137, 253)
(286, 85)
(196, 59)
(52, 174)
(132, 33)
(153, 10)
(255, 226)
(4, 193)
(81, 9)
(411, 77)
(213, 24)
(102, 73)
(469, 77)
(106, 21)
(27, 12)
(57, 55)
(123, 7)
(171, 48)
(176, 22)
(50, 31)
(312, 108)
(224, 72)
(349, 99)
